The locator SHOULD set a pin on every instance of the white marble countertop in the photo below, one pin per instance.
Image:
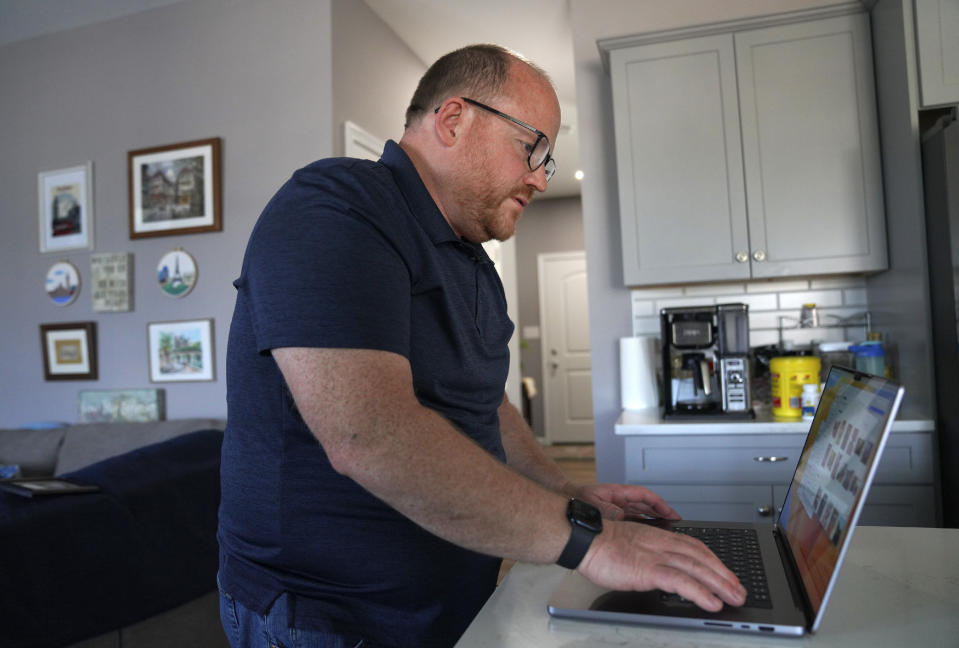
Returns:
(650, 421)
(898, 587)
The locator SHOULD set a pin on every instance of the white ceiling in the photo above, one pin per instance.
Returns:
(538, 29)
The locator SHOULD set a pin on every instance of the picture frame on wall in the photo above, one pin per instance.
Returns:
(69, 350)
(121, 405)
(65, 208)
(181, 351)
(175, 189)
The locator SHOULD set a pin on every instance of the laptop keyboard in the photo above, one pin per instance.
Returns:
(739, 551)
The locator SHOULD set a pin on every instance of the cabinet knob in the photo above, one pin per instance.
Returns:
(742, 257)
(759, 255)
(765, 511)
(771, 459)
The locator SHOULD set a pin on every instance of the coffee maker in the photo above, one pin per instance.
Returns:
(706, 362)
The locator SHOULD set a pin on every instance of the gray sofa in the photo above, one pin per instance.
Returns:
(113, 455)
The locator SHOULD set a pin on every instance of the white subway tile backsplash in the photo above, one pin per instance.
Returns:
(801, 337)
(776, 285)
(847, 281)
(854, 297)
(716, 289)
(770, 320)
(684, 301)
(655, 293)
(755, 302)
(820, 298)
(643, 308)
(646, 326)
(763, 338)
(768, 300)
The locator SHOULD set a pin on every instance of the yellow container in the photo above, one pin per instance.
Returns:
(787, 375)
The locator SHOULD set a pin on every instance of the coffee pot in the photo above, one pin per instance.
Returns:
(693, 382)
(705, 361)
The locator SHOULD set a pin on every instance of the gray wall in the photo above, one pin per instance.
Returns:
(258, 75)
(554, 225)
(374, 73)
(899, 298)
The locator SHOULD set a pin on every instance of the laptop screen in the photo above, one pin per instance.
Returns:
(836, 464)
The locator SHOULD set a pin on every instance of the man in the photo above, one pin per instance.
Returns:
(373, 470)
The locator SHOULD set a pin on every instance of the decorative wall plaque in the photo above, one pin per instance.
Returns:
(112, 280)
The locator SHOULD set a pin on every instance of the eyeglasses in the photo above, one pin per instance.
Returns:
(538, 153)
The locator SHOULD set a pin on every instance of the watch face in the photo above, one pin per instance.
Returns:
(585, 515)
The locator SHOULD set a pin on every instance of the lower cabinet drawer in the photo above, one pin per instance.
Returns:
(713, 459)
(719, 502)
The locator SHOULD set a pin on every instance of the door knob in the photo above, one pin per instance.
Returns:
(759, 255)
(742, 257)
(765, 511)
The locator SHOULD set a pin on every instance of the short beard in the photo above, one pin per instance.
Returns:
(479, 202)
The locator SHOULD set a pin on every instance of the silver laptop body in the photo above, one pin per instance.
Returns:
(803, 551)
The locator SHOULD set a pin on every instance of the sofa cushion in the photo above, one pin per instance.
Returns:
(35, 451)
(76, 566)
(85, 444)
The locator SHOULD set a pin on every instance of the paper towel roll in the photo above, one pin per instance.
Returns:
(637, 366)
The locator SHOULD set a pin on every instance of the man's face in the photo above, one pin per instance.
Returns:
(494, 183)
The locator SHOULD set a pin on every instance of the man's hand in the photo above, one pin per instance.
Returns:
(635, 556)
(616, 501)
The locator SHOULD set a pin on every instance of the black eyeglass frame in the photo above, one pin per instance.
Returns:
(549, 169)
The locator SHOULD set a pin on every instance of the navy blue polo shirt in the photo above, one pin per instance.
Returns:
(355, 254)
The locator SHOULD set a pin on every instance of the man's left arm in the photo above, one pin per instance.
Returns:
(525, 455)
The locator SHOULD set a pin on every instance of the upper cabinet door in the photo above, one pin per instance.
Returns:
(810, 148)
(937, 39)
(679, 161)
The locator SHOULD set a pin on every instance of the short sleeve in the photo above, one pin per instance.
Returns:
(322, 276)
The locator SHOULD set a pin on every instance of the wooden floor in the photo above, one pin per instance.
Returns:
(578, 461)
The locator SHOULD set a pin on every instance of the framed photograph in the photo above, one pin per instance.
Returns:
(111, 274)
(122, 405)
(176, 273)
(175, 189)
(69, 350)
(181, 351)
(65, 199)
(63, 283)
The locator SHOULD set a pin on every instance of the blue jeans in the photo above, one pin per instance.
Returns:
(247, 629)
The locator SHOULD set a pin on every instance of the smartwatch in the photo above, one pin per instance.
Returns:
(586, 522)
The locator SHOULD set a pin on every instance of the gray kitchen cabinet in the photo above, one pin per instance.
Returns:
(937, 44)
(748, 154)
(744, 477)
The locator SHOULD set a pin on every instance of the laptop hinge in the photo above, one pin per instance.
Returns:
(793, 577)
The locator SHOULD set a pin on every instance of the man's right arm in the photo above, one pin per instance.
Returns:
(361, 407)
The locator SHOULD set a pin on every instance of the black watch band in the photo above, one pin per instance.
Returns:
(585, 523)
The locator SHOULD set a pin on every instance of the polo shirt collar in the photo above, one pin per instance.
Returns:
(421, 203)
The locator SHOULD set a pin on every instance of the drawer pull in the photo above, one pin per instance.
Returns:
(765, 511)
(770, 459)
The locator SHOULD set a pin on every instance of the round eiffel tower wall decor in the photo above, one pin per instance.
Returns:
(176, 273)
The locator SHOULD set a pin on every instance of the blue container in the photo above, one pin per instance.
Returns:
(870, 358)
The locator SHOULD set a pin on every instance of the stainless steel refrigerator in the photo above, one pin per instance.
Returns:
(940, 168)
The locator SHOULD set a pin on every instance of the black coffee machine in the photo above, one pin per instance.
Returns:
(706, 362)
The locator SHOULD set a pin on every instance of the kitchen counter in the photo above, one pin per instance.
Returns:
(897, 587)
(650, 421)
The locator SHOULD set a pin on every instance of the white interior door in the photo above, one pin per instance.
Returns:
(564, 325)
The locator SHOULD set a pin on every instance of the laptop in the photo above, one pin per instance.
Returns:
(799, 556)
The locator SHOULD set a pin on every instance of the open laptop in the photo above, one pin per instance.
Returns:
(801, 553)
